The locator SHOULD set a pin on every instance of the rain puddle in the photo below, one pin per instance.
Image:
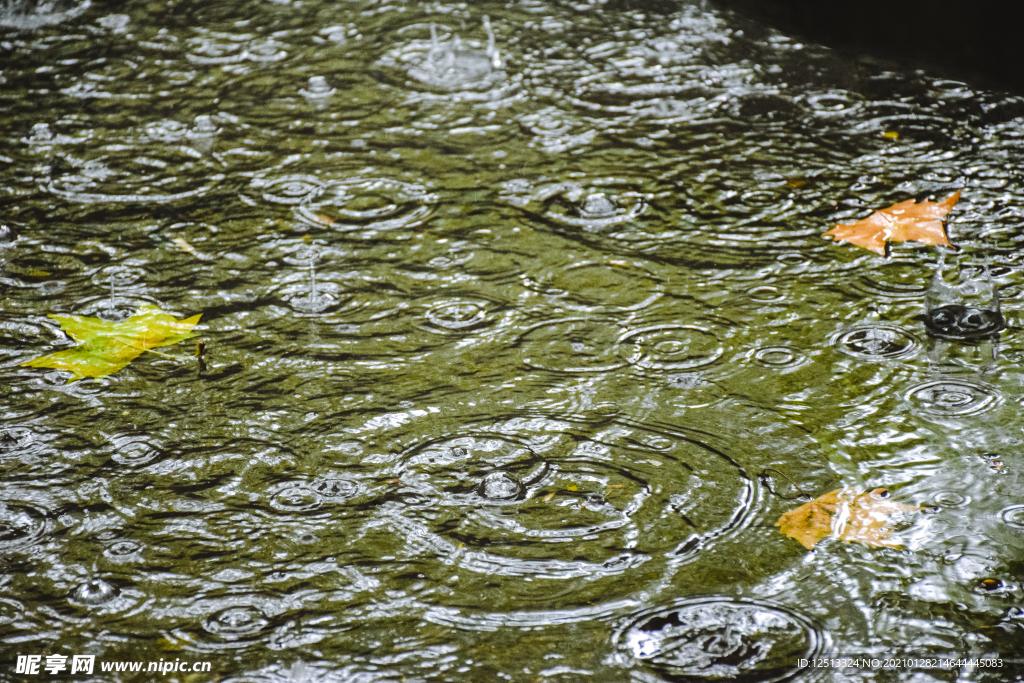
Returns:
(519, 336)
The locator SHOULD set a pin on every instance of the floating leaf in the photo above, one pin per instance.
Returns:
(845, 514)
(105, 346)
(903, 222)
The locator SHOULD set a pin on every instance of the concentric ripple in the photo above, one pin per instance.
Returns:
(20, 526)
(446, 62)
(503, 500)
(138, 176)
(236, 622)
(596, 206)
(671, 347)
(952, 398)
(368, 204)
(134, 449)
(1013, 516)
(721, 639)
(779, 357)
(336, 489)
(289, 189)
(295, 498)
(456, 314)
(877, 342)
(589, 285)
(571, 345)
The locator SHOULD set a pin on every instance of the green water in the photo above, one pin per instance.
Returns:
(514, 355)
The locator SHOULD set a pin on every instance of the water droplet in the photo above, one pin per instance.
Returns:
(296, 499)
(1013, 516)
(952, 398)
(235, 622)
(877, 342)
(203, 133)
(598, 206)
(317, 91)
(501, 486)
(721, 639)
(93, 592)
(671, 347)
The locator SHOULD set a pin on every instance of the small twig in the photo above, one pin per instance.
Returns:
(783, 475)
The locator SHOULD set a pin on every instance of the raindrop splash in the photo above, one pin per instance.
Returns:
(93, 592)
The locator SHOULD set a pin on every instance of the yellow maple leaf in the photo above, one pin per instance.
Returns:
(106, 346)
(846, 514)
(903, 222)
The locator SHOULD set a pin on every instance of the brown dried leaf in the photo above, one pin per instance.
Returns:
(903, 222)
(846, 514)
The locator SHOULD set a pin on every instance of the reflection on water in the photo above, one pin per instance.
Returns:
(511, 311)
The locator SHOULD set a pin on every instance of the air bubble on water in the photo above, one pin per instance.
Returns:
(501, 486)
(93, 592)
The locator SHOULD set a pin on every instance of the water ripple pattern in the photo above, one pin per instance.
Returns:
(721, 639)
(518, 334)
(514, 492)
(953, 398)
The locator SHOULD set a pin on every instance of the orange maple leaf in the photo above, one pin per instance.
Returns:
(846, 514)
(903, 222)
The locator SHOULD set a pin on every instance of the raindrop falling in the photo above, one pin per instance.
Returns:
(314, 301)
(93, 592)
(203, 134)
(317, 92)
